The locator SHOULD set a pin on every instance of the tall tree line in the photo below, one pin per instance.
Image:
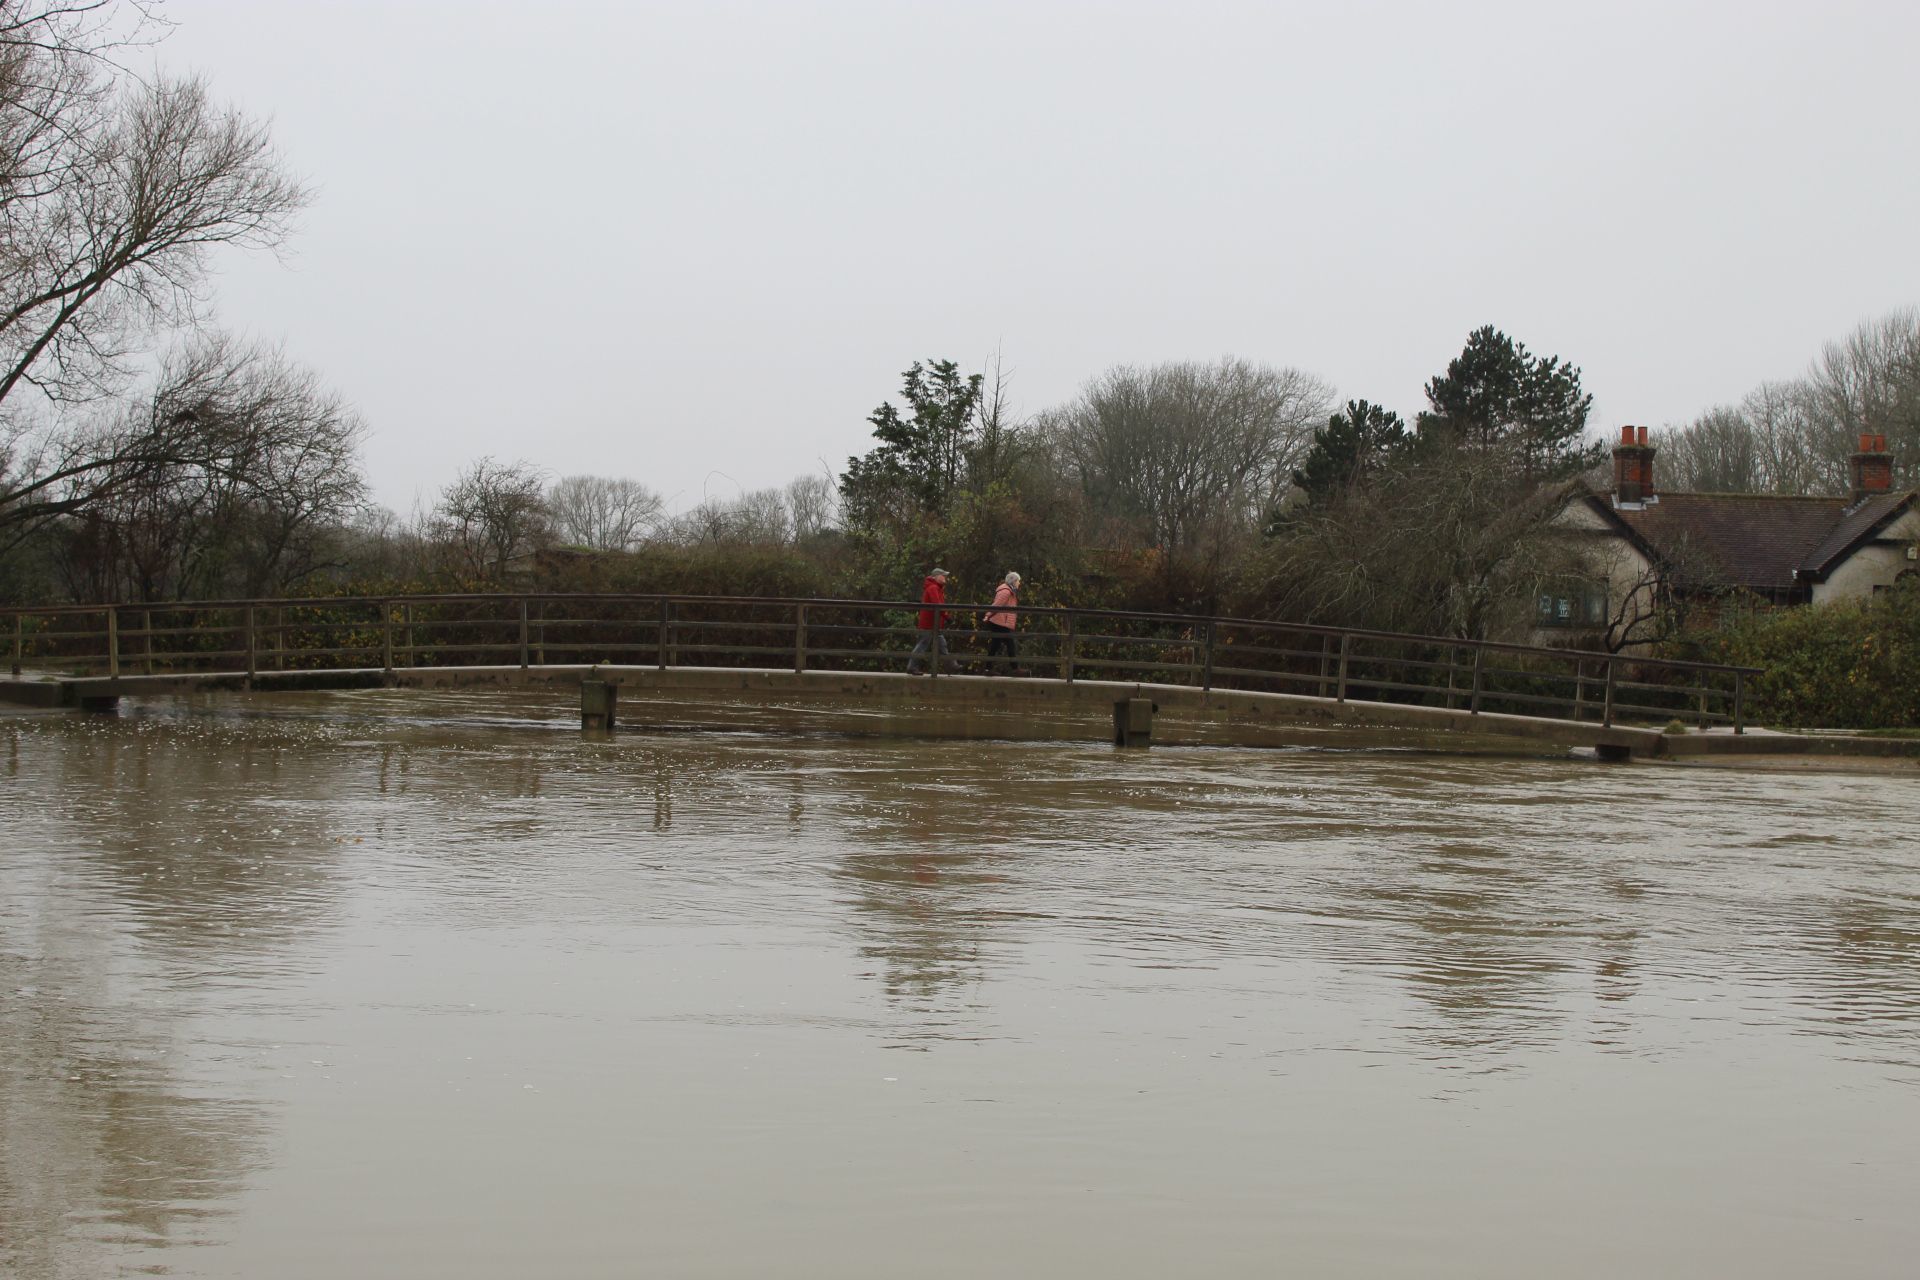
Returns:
(1794, 436)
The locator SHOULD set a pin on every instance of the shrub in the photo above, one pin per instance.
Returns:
(1842, 666)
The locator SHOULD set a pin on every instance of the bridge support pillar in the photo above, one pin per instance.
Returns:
(599, 701)
(1133, 722)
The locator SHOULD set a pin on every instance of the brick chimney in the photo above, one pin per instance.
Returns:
(1871, 468)
(1632, 468)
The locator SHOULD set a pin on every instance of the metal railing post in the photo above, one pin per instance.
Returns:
(524, 634)
(406, 620)
(19, 641)
(799, 638)
(1066, 652)
(939, 642)
(1346, 650)
(1606, 713)
(279, 641)
(1479, 660)
(661, 651)
(386, 636)
(146, 643)
(253, 659)
(1326, 661)
(1739, 700)
(1579, 688)
(1206, 669)
(113, 641)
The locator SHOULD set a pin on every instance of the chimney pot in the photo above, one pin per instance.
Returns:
(1632, 467)
(1871, 467)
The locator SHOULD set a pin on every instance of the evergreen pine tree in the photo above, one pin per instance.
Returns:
(1496, 396)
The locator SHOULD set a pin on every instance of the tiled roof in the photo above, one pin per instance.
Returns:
(1756, 540)
(1853, 526)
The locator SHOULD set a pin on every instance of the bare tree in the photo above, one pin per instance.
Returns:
(1650, 601)
(247, 461)
(1191, 455)
(1716, 453)
(115, 191)
(493, 514)
(811, 506)
(1869, 384)
(603, 514)
(113, 194)
(1795, 436)
(1446, 542)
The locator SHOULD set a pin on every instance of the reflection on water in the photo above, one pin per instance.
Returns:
(515, 1001)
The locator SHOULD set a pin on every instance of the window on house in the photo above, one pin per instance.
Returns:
(1571, 605)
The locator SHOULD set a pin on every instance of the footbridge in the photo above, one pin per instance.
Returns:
(1069, 661)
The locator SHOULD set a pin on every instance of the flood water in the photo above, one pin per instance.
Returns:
(421, 985)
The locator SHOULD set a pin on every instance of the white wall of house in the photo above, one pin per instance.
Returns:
(1611, 560)
(1875, 565)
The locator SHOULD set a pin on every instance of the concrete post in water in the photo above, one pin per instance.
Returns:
(1133, 722)
(599, 701)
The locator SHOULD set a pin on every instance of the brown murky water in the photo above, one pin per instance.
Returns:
(404, 985)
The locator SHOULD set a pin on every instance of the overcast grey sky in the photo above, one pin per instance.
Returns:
(695, 244)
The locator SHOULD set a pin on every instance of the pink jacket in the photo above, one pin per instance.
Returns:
(1005, 598)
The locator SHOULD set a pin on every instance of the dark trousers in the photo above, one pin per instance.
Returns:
(1000, 640)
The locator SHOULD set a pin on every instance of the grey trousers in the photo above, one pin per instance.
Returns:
(922, 646)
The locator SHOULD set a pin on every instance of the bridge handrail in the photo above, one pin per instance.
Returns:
(1132, 615)
(1348, 663)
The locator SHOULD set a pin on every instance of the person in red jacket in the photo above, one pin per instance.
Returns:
(932, 592)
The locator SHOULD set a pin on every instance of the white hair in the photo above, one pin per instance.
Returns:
(1013, 579)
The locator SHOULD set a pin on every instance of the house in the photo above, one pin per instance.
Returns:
(1648, 549)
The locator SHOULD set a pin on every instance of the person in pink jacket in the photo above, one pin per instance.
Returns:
(1000, 621)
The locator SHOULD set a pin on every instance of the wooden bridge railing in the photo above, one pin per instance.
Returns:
(534, 630)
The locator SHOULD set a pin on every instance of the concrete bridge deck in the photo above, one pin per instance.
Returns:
(973, 705)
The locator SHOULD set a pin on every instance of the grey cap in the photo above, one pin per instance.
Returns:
(938, 573)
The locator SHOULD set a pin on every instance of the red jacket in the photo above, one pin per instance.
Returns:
(933, 591)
